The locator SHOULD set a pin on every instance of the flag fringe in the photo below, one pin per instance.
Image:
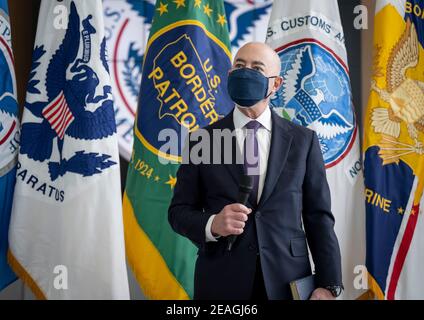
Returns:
(25, 276)
(367, 295)
(374, 292)
(147, 264)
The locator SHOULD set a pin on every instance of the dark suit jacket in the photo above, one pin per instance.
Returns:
(294, 210)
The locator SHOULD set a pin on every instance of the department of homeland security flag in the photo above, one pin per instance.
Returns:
(309, 39)
(183, 84)
(66, 231)
(394, 153)
(9, 137)
(127, 26)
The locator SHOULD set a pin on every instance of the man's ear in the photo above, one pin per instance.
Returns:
(278, 83)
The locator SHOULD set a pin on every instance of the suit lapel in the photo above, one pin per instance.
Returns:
(279, 149)
(235, 170)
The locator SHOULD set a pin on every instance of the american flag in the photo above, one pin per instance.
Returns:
(58, 115)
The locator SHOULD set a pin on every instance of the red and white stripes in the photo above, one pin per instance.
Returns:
(58, 115)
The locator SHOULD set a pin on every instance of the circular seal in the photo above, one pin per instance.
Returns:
(127, 25)
(316, 94)
(8, 105)
(183, 85)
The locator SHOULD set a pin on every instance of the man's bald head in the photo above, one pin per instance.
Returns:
(259, 56)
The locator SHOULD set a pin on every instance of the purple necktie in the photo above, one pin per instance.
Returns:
(251, 157)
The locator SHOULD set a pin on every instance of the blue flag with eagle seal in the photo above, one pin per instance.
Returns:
(9, 139)
(67, 210)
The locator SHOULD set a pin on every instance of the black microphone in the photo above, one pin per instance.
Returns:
(245, 187)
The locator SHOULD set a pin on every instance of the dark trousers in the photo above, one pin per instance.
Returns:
(258, 291)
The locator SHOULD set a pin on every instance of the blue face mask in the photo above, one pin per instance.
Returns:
(247, 87)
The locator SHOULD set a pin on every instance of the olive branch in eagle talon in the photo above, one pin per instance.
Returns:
(86, 164)
(405, 97)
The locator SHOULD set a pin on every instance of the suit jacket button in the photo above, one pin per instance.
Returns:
(258, 214)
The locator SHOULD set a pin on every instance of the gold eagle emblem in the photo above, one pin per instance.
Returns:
(405, 97)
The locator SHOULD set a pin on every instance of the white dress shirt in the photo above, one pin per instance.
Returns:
(264, 142)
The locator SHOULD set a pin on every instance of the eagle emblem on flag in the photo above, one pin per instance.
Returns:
(9, 124)
(74, 109)
(313, 95)
(243, 17)
(405, 97)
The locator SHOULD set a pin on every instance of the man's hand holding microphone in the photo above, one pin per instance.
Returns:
(230, 220)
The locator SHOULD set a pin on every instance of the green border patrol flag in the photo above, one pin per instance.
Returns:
(183, 86)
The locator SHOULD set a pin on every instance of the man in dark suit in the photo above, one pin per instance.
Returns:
(289, 207)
